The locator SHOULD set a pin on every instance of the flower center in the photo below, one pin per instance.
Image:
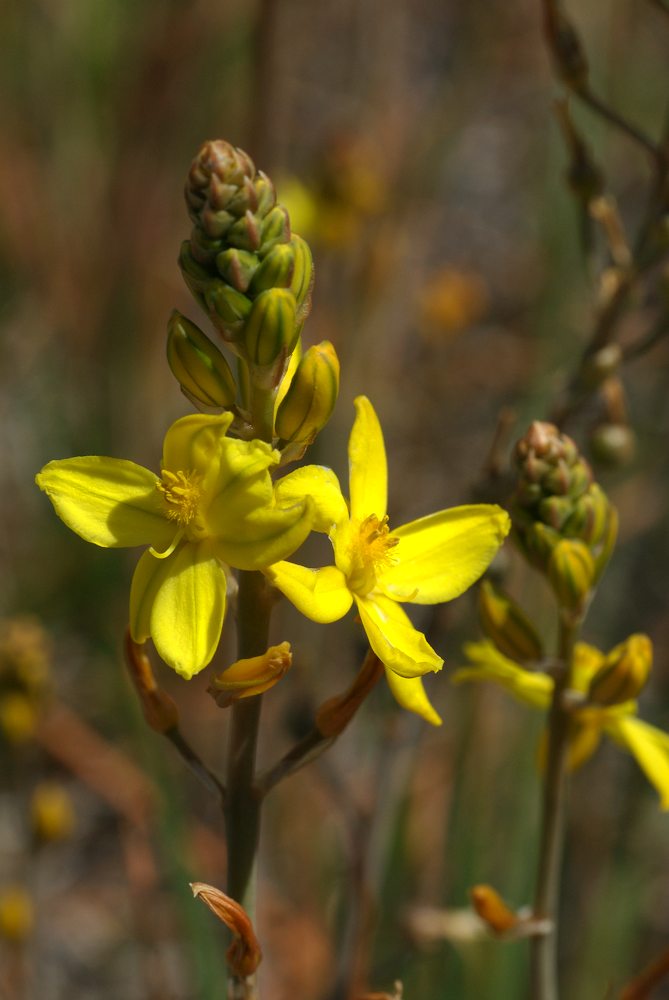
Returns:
(182, 492)
(370, 552)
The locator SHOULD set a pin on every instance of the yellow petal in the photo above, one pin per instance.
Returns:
(368, 472)
(583, 741)
(194, 442)
(108, 501)
(180, 603)
(410, 694)
(289, 374)
(265, 536)
(440, 556)
(319, 594)
(650, 748)
(323, 486)
(242, 486)
(587, 661)
(490, 665)
(399, 646)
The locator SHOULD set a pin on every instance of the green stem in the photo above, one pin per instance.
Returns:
(242, 806)
(262, 413)
(543, 964)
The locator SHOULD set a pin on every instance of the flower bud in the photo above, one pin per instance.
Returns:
(228, 309)
(311, 396)
(303, 276)
(244, 954)
(271, 329)
(571, 571)
(590, 516)
(244, 234)
(538, 543)
(275, 271)
(51, 812)
(158, 707)
(251, 676)
(237, 267)
(624, 673)
(275, 228)
(198, 366)
(492, 909)
(602, 365)
(507, 625)
(16, 913)
(613, 444)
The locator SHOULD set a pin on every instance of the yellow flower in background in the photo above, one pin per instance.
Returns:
(427, 561)
(590, 719)
(212, 507)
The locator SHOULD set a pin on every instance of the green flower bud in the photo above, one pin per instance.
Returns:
(227, 308)
(538, 543)
(275, 271)
(198, 366)
(555, 511)
(271, 329)
(507, 625)
(194, 274)
(613, 444)
(265, 194)
(624, 673)
(303, 276)
(590, 516)
(601, 365)
(571, 571)
(311, 396)
(237, 267)
(244, 234)
(275, 228)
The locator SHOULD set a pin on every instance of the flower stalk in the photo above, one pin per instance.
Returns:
(242, 807)
(543, 960)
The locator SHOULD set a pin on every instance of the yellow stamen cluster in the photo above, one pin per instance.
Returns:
(182, 492)
(371, 552)
(376, 540)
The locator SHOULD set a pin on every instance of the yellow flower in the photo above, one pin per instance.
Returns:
(212, 507)
(648, 745)
(427, 561)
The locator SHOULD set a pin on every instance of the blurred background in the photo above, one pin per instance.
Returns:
(415, 145)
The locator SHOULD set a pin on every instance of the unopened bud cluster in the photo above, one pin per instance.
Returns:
(563, 521)
(250, 274)
(253, 278)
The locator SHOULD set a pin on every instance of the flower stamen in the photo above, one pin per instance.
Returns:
(182, 492)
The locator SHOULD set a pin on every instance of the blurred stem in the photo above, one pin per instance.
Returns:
(543, 967)
(263, 81)
(600, 107)
(242, 807)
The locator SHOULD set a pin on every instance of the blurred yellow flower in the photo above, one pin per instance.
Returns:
(213, 507)
(450, 301)
(427, 561)
(590, 720)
